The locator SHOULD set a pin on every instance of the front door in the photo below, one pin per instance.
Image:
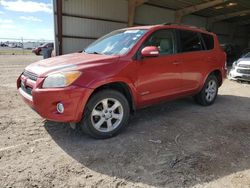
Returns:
(159, 77)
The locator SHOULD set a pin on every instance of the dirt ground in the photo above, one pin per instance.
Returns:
(175, 144)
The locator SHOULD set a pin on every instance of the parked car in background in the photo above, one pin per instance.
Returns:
(123, 71)
(241, 69)
(38, 50)
(12, 45)
(232, 51)
(30, 45)
(3, 44)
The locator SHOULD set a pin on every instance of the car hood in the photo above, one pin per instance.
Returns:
(76, 61)
(244, 61)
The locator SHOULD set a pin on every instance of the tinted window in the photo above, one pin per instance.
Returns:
(208, 40)
(190, 41)
(164, 40)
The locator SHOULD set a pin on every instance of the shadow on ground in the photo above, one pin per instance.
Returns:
(193, 145)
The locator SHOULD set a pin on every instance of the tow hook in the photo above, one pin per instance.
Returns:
(72, 125)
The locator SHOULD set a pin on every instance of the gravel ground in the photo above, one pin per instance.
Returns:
(174, 144)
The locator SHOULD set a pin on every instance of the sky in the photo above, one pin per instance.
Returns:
(30, 19)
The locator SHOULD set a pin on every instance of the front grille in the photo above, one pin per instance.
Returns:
(244, 66)
(243, 71)
(30, 75)
(27, 89)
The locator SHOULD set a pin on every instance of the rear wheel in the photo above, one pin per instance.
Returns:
(106, 113)
(209, 91)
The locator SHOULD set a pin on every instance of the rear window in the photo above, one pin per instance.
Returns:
(190, 41)
(208, 40)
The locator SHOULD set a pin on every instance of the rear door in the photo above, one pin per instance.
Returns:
(193, 57)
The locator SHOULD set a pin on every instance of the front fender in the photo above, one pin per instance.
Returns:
(99, 83)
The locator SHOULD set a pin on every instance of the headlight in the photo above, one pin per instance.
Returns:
(62, 79)
(234, 64)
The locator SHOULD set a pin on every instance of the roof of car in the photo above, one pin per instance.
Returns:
(173, 25)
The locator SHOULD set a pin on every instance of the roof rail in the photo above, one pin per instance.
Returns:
(190, 26)
(167, 23)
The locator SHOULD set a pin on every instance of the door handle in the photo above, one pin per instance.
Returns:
(176, 63)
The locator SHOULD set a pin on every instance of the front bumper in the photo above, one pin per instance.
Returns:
(44, 102)
(235, 75)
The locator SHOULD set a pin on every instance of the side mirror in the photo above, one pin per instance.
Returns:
(150, 51)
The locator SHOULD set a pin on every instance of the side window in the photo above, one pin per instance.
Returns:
(190, 41)
(164, 40)
(208, 40)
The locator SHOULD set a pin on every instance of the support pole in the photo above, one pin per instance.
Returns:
(59, 25)
(132, 5)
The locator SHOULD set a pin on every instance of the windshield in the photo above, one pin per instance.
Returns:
(247, 55)
(116, 43)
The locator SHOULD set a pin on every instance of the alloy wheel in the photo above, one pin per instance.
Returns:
(107, 115)
(211, 90)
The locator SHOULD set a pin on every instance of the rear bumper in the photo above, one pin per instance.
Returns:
(44, 102)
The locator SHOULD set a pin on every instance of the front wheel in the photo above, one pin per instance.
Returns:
(106, 113)
(209, 91)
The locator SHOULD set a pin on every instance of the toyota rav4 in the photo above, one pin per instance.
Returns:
(123, 71)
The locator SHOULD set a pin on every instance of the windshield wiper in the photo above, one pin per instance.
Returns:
(93, 53)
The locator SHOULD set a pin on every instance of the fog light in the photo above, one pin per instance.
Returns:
(60, 108)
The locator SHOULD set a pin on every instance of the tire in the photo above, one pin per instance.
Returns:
(210, 88)
(106, 113)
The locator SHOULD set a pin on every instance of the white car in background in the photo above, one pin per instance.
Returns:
(241, 69)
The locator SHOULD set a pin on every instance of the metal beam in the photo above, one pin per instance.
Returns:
(244, 22)
(228, 16)
(189, 10)
(132, 5)
(59, 25)
(233, 32)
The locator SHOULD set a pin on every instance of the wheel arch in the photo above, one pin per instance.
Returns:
(215, 72)
(218, 75)
(123, 88)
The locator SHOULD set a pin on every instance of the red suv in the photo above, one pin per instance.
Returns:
(125, 70)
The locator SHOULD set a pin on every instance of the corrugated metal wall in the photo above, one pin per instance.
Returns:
(85, 20)
(147, 14)
(97, 8)
(96, 18)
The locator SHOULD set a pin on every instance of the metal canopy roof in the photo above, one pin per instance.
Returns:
(221, 9)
